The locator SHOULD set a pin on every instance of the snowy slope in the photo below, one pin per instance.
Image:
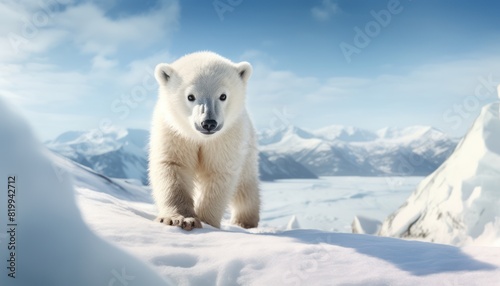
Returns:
(48, 243)
(233, 256)
(460, 202)
(56, 248)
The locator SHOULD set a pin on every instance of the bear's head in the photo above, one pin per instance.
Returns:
(202, 94)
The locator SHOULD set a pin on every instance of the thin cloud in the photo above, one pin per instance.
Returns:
(100, 62)
(104, 35)
(29, 30)
(324, 11)
(30, 79)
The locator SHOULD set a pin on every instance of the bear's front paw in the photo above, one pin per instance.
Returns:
(187, 223)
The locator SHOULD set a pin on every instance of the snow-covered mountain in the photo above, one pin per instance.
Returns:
(118, 153)
(344, 133)
(460, 202)
(349, 151)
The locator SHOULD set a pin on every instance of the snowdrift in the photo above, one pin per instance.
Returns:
(48, 243)
(459, 203)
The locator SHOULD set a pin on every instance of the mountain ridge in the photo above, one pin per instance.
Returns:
(289, 152)
(414, 150)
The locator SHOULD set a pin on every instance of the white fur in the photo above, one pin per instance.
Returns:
(195, 176)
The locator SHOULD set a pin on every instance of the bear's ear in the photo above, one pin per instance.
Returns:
(163, 73)
(244, 70)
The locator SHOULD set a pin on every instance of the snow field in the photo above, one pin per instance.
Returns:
(268, 256)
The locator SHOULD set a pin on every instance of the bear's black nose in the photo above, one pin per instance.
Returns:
(209, 124)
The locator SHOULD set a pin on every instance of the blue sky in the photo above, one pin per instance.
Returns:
(77, 65)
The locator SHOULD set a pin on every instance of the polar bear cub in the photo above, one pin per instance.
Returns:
(203, 151)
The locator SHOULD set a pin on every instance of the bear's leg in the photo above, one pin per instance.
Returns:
(214, 193)
(246, 201)
(172, 190)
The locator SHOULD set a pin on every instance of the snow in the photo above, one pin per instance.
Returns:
(293, 223)
(267, 255)
(365, 225)
(330, 203)
(56, 246)
(460, 202)
(53, 246)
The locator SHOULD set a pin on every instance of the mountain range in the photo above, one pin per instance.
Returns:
(289, 152)
(350, 151)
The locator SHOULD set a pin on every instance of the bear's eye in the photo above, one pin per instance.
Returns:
(191, 97)
(223, 97)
